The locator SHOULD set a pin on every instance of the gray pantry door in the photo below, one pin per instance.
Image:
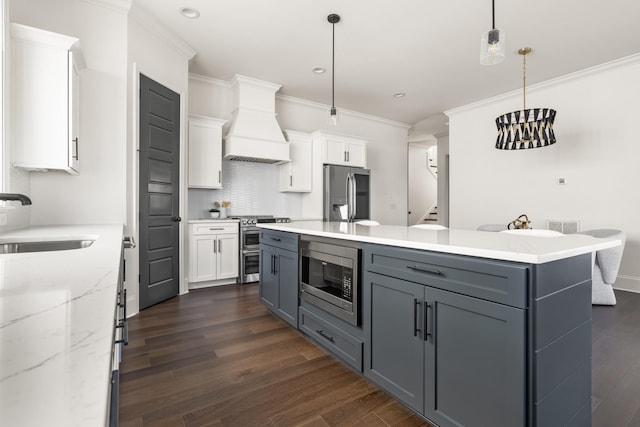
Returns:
(159, 192)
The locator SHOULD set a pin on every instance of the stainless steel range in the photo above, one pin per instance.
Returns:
(250, 244)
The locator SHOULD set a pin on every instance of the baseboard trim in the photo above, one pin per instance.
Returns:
(627, 283)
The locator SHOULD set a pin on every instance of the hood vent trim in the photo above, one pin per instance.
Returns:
(254, 134)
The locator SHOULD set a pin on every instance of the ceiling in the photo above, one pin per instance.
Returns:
(425, 48)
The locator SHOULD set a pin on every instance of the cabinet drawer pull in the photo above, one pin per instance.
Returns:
(216, 228)
(77, 156)
(325, 336)
(275, 239)
(416, 329)
(427, 334)
(424, 270)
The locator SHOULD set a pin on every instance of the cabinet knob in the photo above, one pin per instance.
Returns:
(176, 219)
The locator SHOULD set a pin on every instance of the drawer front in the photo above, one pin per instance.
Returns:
(492, 280)
(340, 343)
(213, 228)
(280, 239)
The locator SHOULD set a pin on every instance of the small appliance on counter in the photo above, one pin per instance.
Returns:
(250, 244)
(346, 193)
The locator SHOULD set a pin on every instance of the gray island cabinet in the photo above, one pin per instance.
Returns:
(279, 274)
(472, 342)
(484, 329)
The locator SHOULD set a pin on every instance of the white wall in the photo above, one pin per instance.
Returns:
(95, 195)
(162, 57)
(386, 150)
(597, 152)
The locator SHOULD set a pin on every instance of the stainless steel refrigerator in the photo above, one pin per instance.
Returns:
(346, 193)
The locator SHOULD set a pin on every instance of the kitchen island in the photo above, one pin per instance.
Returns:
(465, 327)
(57, 327)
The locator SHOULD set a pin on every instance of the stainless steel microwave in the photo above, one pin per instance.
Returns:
(330, 279)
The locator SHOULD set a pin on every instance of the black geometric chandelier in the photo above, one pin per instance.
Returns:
(528, 128)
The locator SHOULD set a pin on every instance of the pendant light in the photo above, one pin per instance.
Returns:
(529, 128)
(333, 114)
(492, 43)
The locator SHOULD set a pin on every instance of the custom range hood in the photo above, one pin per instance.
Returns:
(254, 134)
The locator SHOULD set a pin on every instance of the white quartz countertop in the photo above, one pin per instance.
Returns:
(56, 327)
(216, 220)
(484, 244)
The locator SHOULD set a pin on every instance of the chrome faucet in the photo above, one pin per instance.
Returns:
(17, 197)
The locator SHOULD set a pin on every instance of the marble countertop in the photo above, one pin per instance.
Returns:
(484, 244)
(56, 327)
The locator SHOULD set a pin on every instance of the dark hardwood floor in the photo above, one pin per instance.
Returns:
(216, 357)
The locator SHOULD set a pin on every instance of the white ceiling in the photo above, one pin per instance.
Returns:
(428, 49)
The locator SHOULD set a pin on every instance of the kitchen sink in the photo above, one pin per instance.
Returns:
(43, 246)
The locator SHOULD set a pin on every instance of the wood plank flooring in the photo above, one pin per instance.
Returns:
(216, 357)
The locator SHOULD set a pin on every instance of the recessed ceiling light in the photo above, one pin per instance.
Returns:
(319, 70)
(189, 12)
(399, 95)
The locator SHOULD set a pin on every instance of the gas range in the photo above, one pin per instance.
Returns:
(252, 220)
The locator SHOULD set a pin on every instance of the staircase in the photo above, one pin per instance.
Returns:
(432, 216)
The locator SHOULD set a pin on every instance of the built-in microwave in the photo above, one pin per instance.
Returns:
(329, 278)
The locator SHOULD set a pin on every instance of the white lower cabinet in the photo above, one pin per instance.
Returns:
(213, 253)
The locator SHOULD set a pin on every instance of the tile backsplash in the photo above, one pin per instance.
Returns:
(252, 189)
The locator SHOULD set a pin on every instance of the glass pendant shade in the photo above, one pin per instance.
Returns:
(333, 118)
(492, 47)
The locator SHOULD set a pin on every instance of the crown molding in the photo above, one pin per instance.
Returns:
(209, 80)
(144, 18)
(631, 59)
(342, 111)
(117, 5)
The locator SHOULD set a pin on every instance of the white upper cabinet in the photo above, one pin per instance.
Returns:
(45, 99)
(205, 152)
(295, 176)
(343, 150)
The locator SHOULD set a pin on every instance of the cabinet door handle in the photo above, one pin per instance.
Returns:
(219, 177)
(290, 180)
(220, 245)
(77, 156)
(272, 264)
(325, 336)
(424, 270)
(416, 329)
(348, 157)
(275, 264)
(344, 155)
(215, 246)
(427, 333)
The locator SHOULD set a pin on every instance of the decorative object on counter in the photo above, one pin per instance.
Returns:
(528, 128)
(522, 222)
(606, 263)
(222, 208)
(492, 43)
(214, 213)
(333, 114)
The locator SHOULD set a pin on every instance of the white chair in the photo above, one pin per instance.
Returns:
(606, 263)
(367, 222)
(430, 226)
